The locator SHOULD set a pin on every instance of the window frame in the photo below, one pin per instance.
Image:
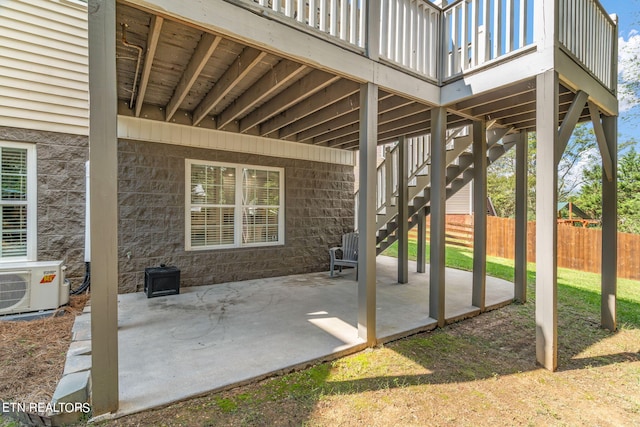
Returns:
(31, 202)
(238, 206)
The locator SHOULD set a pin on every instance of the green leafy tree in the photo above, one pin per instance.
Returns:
(501, 181)
(590, 197)
(581, 150)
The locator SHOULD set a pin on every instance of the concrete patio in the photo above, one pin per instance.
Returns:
(212, 337)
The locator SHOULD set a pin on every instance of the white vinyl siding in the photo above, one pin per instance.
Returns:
(461, 203)
(44, 78)
(17, 201)
(231, 205)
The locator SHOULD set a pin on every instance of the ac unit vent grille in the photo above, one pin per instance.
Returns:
(13, 289)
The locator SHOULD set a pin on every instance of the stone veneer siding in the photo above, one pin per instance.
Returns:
(319, 208)
(61, 195)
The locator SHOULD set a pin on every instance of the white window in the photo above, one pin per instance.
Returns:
(230, 205)
(18, 201)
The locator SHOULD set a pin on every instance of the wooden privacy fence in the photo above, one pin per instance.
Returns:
(458, 231)
(578, 248)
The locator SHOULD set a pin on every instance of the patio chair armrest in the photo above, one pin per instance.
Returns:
(333, 251)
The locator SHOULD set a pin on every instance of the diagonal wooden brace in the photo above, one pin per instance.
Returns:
(607, 163)
(569, 122)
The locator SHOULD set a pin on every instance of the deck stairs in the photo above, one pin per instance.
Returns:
(459, 172)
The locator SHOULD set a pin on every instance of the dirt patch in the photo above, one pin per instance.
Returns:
(32, 354)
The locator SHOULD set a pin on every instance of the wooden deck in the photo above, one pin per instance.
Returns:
(210, 73)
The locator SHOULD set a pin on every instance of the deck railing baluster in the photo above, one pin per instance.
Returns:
(523, 24)
(384, 23)
(322, 21)
(333, 18)
(344, 20)
(313, 14)
(392, 29)
(587, 33)
(361, 23)
(465, 34)
(497, 28)
(509, 27)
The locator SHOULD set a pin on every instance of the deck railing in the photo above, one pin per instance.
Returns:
(442, 43)
(410, 34)
(342, 19)
(478, 31)
(387, 178)
(589, 35)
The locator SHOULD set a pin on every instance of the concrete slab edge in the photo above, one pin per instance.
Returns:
(75, 384)
(309, 363)
(463, 316)
(400, 335)
(283, 371)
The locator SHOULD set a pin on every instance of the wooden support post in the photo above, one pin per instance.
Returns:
(422, 241)
(609, 229)
(520, 280)
(601, 139)
(388, 178)
(403, 212)
(367, 214)
(103, 206)
(546, 311)
(438, 212)
(479, 215)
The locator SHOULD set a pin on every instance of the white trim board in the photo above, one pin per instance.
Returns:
(138, 129)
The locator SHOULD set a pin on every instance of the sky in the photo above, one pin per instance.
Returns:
(628, 12)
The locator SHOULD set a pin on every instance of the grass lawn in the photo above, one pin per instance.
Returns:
(478, 372)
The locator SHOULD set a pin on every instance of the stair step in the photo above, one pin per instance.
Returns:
(418, 201)
(452, 171)
(457, 176)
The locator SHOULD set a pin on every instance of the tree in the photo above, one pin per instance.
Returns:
(581, 151)
(629, 72)
(501, 181)
(590, 197)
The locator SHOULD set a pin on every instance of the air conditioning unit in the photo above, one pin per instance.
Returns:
(32, 286)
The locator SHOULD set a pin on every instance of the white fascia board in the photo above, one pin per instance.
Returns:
(575, 77)
(400, 82)
(503, 73)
